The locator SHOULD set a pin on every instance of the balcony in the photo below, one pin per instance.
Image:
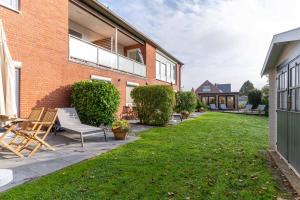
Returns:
(87, 52)
(95, 42)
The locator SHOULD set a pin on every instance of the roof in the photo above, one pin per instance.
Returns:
(208, 85)
(125, 25)
(276, 47)
(224, 87)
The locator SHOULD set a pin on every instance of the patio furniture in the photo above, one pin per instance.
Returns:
(129, 113)
(223, 107)
(260, 109)
(248, 107)
(69, 120)
(37, 137)
(213, 107)
(5, 144)
(26, 124)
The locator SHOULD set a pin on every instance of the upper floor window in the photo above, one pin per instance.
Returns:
(166, 70)
(13, 4)
(206, 88)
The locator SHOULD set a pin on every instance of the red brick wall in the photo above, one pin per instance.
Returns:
(38, 37)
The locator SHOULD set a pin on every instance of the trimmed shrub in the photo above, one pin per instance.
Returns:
(154, 103)
(185, 101)
(95, 101)
(254, 98)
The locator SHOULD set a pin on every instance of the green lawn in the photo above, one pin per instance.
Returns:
(216, 156)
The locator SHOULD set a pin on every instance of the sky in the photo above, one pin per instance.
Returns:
(224, 41)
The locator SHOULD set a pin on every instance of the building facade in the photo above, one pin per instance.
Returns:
(217, 94)
(282, 65)
(57, 43)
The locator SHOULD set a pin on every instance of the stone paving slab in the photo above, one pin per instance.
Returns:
(67, 152)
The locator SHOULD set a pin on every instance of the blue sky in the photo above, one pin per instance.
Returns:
(224, 41)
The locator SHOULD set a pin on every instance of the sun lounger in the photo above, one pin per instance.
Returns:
(69, 120)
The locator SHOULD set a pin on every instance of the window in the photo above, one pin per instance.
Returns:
(174, 74)
(129, 100)
(157, 70)
(163, 74)
(169, 72)
(102, 78)
(282, 90)
(129, 87)
(166, 70)
(135, 54)
(13, 4)
(206, 88)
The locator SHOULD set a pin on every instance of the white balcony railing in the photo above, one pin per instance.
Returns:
(91, 53)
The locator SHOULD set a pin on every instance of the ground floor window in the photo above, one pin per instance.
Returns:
(129, 87)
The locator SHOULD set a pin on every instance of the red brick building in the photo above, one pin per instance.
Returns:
(57, 43)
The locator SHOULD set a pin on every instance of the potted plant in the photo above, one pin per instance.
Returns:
(120, 128)
(184, 114)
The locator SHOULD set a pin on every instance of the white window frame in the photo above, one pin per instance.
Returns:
(102, 78)
(170, 75)
(15, 4)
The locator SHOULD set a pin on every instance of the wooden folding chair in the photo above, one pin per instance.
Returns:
(4, 144)
(37, 137)
(27, 124)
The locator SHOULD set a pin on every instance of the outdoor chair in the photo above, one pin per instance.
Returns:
(248, 108)
(260, 109)
(27, 124)
(36, 138)
(223, 107)
(213, 106)
(15, 126)
(69, 120)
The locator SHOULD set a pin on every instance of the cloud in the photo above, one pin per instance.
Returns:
(220, 40)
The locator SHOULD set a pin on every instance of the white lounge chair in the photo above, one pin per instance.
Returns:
(69, 120)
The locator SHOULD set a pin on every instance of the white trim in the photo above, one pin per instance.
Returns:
(17, 64)
(132, 83)
(95, 77)
(10, 7)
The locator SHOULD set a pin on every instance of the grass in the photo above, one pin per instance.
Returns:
(216, 156)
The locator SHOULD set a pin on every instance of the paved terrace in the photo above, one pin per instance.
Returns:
(68, 151)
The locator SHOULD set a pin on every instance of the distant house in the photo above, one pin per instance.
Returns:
(217, 94)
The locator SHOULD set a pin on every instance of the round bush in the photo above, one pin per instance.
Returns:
(254, 98)
(96, 101)
(185, 101)
(154, 103)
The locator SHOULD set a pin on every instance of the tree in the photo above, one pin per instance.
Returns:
(265, 98)
(246, 88)
(254, 97)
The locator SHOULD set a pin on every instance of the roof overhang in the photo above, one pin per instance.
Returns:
(118, 21)
(277, 45)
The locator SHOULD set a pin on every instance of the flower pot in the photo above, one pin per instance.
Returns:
(184, 114)
(120, 134)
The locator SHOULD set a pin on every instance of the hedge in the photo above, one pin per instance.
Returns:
(96, 101)
(185, 101)
(154, 103)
